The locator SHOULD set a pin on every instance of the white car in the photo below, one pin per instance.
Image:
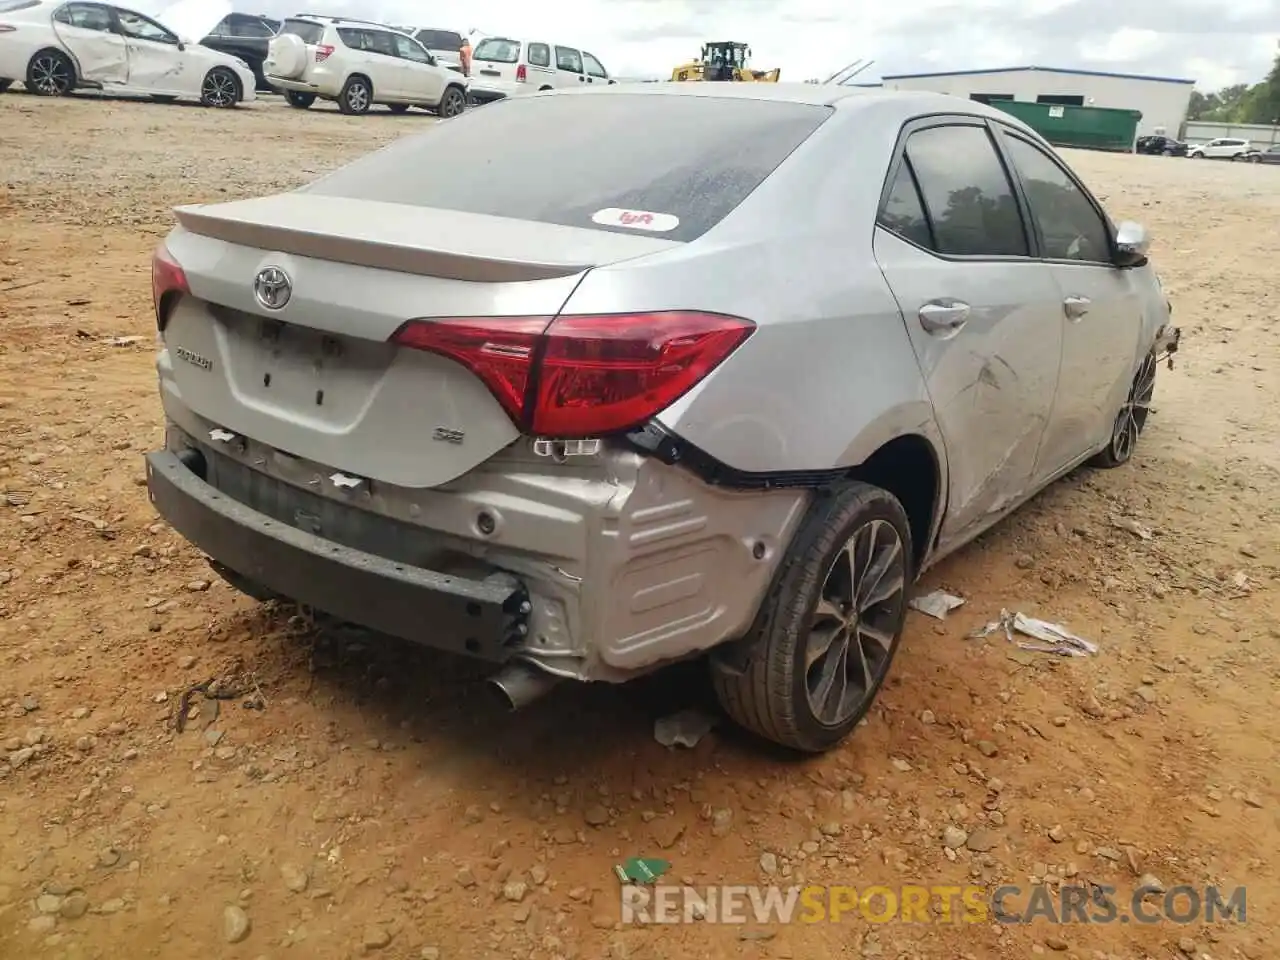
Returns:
(54, 48)
(358, 63)
(1223, 148)
(501, 67)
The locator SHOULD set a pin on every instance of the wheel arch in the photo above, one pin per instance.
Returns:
(911, 468)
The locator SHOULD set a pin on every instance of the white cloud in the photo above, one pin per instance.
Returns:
(1200, 39)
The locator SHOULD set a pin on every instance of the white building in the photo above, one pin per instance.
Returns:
(1163, 101)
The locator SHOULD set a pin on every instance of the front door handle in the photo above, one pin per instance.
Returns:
(945, 316)
(1076, 307)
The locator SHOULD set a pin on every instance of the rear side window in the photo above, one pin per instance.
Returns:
(372, 41)
(497, 51)
(539, 55)
(564, 159)
(966, 192)
(903, 211)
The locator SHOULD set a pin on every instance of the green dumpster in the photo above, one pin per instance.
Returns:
(1092, 128)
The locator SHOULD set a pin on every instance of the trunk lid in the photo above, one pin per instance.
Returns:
(318, 378)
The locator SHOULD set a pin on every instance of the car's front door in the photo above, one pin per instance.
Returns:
(88, 30)
(595, 70)
(155, 62)
(1101, 306)
(983, 315)
(424, 81)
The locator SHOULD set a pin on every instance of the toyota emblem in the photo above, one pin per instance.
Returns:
(272, 288)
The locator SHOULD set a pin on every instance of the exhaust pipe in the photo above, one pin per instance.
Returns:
(520, 683)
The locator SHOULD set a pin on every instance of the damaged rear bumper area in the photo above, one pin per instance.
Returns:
(486, 618)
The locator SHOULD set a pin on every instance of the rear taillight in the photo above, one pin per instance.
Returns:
(583, 376)
(168, 283)
(323, 51)
(521, 74)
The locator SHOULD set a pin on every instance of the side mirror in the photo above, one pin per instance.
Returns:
(1132, 244)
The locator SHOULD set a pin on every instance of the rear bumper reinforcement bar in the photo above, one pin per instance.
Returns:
(485, 619)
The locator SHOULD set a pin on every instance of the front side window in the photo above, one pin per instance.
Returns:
(140, 28)
(1068, 223)
(407, 49)
(966, 192)
(594, 68)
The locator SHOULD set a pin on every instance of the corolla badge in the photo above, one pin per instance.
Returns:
(272, 288)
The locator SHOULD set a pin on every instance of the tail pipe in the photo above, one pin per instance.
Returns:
(520, 683)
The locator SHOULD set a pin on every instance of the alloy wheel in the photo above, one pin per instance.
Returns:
(853, 626)
(1133, 414)
(220, 89)
(358, 97)
(51, 75)
(453, 104)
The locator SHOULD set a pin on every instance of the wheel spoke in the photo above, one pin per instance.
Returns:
(829, 692)
(820, 643)
(828, 610)
(880, 579)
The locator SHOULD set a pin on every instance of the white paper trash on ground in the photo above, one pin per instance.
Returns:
(936, 604)
(1053, 637)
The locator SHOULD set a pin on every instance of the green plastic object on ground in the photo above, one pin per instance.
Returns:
(641, 870)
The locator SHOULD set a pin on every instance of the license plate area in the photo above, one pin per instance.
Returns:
(309, 373)
(490, 73)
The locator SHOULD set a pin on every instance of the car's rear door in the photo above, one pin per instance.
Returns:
(983, 315)
(1101, 316)
(88, 31)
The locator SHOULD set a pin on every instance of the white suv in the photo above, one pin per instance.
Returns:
(1223, 148)
(501, 67)
(358, 64)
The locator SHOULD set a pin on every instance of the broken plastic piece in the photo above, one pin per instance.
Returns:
(641, 869)
(219, 435)
(936, 604)
(685, 728)
(1053, 638)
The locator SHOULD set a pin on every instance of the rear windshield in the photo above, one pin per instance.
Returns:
(308, 31)
(563, 159)
(497, 51)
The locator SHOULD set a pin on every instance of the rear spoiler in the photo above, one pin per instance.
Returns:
(420, 240)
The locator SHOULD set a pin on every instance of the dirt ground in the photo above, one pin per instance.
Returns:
(371, 799)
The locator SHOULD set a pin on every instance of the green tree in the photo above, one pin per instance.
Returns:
(1240, 103)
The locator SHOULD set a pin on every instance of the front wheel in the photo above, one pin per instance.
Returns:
(299, 99)
(1168, 153)
(356, 96)
(221, 89)
(828, 631)
(51, 74)
(453, 103)
(1253, 159)
(1132, 418)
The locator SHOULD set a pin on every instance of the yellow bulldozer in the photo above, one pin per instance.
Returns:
(724, 60)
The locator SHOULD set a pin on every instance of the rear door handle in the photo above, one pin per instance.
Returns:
(945, 316)
(1076, 307)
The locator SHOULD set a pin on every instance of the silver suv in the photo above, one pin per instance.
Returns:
(699, 368)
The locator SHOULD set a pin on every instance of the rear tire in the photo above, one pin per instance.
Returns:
(356, 97)
(220, 89)
(299, 99)
(50, 73)
(828, 630)
(1132, 418)
(453, 103)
